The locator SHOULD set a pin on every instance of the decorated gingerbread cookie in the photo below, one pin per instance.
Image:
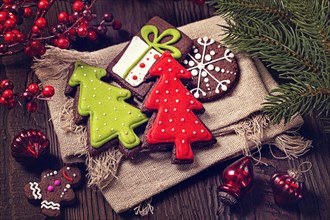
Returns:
(175, 122)
(109, 116)
(213, 68)
(54, 190)
(130, 68)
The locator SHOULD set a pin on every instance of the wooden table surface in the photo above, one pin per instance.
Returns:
(195, 198)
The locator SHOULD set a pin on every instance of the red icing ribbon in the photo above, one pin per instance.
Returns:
(66, 176)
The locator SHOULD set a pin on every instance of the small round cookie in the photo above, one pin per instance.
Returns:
(213, 67)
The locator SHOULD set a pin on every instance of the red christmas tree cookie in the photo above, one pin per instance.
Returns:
(175, 121)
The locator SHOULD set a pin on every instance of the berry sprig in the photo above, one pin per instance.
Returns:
(80, 22)
(30, 96)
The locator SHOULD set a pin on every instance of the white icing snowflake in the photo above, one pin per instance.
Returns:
(202, 63)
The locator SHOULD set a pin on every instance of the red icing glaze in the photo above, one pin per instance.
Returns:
(175, 121)
(156, 56)
(134, 77)
(142, 65)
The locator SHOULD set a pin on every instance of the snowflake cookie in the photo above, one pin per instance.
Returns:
(213, 68)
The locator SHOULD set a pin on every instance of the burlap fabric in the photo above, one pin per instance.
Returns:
(235, 120)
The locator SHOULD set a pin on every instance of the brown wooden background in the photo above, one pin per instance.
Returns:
(195, 198)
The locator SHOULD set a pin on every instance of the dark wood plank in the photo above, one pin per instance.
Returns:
(195, 198)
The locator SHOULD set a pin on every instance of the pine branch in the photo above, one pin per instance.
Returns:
(293, 36)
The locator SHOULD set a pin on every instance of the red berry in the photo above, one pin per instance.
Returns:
(35, 29)
(63, 17)
(3, 48)
(63, 43)
(43, 5)
(41, 23)
(11, 104)
(9, 37)
(32, 106)
(27, 12)
(8, 1)
(78, 6)
(10, 23)
(27, 96)
(82, 31)
(92, 35)
(48, 91)
(8, 94)
(6, 84)
(33, 88)
(3, 16)
(3, 101)
(107, 17)
(116, 24)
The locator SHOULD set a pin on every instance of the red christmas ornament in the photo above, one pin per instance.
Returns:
(29, 145)
(237, 180)
(288, 188)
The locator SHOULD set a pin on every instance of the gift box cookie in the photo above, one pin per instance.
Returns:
(130, 68)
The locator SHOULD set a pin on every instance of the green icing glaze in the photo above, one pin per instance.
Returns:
(160, 47)
(110, 116)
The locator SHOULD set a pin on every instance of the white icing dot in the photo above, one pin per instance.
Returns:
(62, 193)
(157, 91)
(194, 72)
(191, 102)
(181, 71)
(61, 196)
(159, 122)
(157, 100)
(191, 63)
(68, 186)
(166, 110)
(183, 131)
(169, 60)
(163, 130)
(111, 129)
(170, 120)
(104, 114)
(169, 69)
(177, 100)
(194, 132)
(188, 110)
(65, 190)
(51, 174)
(202, 131)
(174, 78)
(196, 122)
(207, 85)
(105, 124)
(176, 90)
(196, 50)
(159, 69)
(84, 99)
(94, 71)
(217, 69)
(96, 118)
(85, 74)
(204, 73)
(212, 52)
(129, 113)
(173, 129)
(92, 96)
(188, 93)
(75, 75)
(185, 62)
(227, 71)
(85, 86)
(198, 56)
(183, 141)
(97, 129)
(115, 119)
(222, 70)
(101, 82)
(100, 135)
(92, 80)
(208, 57)
(94, 89)
(174, 109)
(210, 67)
(88, 106)
(109, 97)
(206, 80)
(126, 133)
(123, 124)
(182, 119)
(166, 81)
(167, 92)
(55, 172)
(45, 176)
(120, 92)
(114, 109)
(109, 89)
(68, 168)
(139, 115)
(165, 100)
(74, 175)
(100, 103)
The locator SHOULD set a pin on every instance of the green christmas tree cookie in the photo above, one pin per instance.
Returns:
(109, 115)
